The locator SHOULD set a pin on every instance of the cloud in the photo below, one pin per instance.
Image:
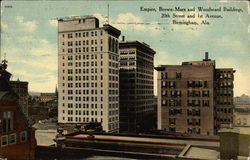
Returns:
(53, 22)
(39, 47)
(35, 61)
(125, 21)
(194, 30)
(45, 82)
(26, 39)
(45, 86)
(4, 26)
(233, 44)
(26, 26)
(102, 19)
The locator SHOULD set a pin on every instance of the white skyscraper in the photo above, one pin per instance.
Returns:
(88, 76)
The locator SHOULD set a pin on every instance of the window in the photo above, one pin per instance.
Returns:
(24, 136)
(13, 138)
(7, 121)
(4, 140)
(178, 74)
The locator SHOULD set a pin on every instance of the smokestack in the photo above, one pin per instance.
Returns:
(123, 38)
(206, 55)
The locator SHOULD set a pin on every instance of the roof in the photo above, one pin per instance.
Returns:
(6, 91)
(112, 30)
(136, 44)
(4, 95)
(72, 18)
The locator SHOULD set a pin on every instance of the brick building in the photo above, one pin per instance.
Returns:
(194, 97)
(137, 102)
(17, 139)
(21, 89)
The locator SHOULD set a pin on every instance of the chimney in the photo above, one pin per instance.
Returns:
(123, 38)
(206, 55)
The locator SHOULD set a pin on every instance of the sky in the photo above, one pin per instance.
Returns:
(29, 35)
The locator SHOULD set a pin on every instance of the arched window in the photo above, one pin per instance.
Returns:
(109, 44)
(112, 44)
(116, 46)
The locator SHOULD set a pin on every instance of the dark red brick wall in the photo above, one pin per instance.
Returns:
(19, 150)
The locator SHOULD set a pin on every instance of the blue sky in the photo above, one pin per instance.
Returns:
(29, 35)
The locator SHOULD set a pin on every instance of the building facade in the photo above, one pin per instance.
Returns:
(88, 72)
(194, 97)
(224, 103)
(17, 138)
(136, 87)
(21, 89)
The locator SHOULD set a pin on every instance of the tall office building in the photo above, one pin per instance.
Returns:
(88, 72)
(137, 100)
(194, 97)
(21, 89)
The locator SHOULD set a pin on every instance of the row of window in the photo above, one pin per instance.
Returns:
(90, 57)
(225, 102)
(84, 42)
(171, 102)
(83, 57)
(84, 49)
(169, 84)
(173, 93)
(93, 70)
(79, 85)
(87, 105)
(224, 75)
(127, 64)
(127, 58)
(86, 78)
(12, 138)
(172, 121)
(197, 103)
(82, 105)
(225, 110)
(194, 122)
(197, 84)
(145, 55)
(113, 119)
(197, 93)
(177, 102)
(88, 64)
(222, 120)
(175, 111)
(224, 93)
(127, 52)
(82, 119)
(165, 75)
(113, 126)
(224, 84)
(92, 99)
(83, 34)
(80, 112)
(193, 112)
